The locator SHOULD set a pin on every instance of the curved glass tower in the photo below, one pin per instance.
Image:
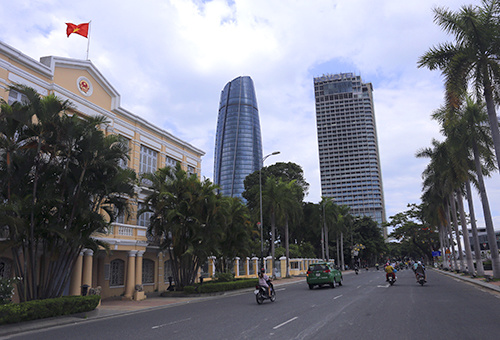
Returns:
(238, 142)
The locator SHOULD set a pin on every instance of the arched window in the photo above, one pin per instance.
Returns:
(148, 271)
(5, 266)
(167, 270)
(117, 273)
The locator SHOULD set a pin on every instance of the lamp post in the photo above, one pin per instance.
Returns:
(261, 225)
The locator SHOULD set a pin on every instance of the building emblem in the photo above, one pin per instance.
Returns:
(84, 86)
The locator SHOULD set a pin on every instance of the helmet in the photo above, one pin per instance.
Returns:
(419, 262)
(262, 270)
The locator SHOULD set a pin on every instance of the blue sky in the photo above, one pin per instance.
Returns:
(169, 60)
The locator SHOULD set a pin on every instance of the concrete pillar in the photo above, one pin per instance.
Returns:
(255, 265)
(283, 266)
(76, 276)
(138, 295)
(87, 267)
(138, 267)
(211, 266)
(247, 266)
(130, 280)
(236, 266)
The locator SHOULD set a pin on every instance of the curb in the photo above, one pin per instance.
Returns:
(470, 280)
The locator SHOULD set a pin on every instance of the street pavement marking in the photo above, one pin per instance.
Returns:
(284, 323)
(358, 287)
(385, 286)
(279, 290)
(335, 298)
(170, 323)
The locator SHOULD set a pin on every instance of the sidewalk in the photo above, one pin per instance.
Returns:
(113, 307)
(479, 281)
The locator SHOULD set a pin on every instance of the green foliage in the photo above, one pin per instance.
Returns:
(58, 173)
(40, 309)
(224, 277)
(6, 290)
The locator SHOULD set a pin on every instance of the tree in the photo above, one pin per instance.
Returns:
(185, 215)
(59, 178)
(419, 239)
(473, 58)
(235, 232)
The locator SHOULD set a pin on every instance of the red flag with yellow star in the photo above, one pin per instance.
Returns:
(82, 29)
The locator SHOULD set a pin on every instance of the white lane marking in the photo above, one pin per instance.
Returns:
(170, 323)
(385, 286)
(335, 298)
(284, 323)
(279, 290)
(358, 287)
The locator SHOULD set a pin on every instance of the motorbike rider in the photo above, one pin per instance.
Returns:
(389, 271)
(263, 279)
(419, 270)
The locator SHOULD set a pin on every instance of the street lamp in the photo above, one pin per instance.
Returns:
(261, 225)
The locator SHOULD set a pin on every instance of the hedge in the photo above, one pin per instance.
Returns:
(40, 309)
(216, 287)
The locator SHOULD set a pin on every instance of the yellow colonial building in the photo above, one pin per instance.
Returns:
(134, 258)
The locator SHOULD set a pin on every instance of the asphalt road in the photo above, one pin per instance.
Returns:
(364, 307)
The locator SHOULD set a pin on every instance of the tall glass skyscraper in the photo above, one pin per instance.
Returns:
(348, 147)
(238, 141)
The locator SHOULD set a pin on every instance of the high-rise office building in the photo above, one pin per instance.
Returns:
(238, 141)
(348, 147)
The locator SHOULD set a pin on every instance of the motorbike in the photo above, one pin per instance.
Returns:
(356, 270)
(420, 279)
(261, 293)
(392, 279)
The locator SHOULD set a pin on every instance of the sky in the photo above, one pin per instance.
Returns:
(170, 59)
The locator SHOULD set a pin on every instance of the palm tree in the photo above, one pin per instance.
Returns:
(58, 180)
(441, 176)
(289, 210)
(186, 216)
(468, 128)
(473, 58)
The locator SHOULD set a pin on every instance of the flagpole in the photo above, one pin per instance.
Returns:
(88, 41)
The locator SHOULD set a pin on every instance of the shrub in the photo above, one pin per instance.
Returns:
(40, 309)
(224, 277)
(216, 287)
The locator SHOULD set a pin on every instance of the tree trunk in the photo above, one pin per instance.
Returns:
(342, 250)
(457, 232)
(287, 246)
(492, 116)
(475, 237)
(450, 238)
(490, 230)
(465, 233)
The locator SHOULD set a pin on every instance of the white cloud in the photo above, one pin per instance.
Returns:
(169, 60)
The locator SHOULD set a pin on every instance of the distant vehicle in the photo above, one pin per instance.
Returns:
(321, 273)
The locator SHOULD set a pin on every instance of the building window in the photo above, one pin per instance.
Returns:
(123, 163)
(149, 160)
(171, 162)
(167, 270)
(117, 273)
(143, 220)
(148, 271)
(5, 265)
(191, 170)
(16, 96)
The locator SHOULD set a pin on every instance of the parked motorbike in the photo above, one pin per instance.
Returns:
(420, 279)
(261, 293)
(392, 280)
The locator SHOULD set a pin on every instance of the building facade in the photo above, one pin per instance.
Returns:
(134, 257)
(348, 147)
(238, 141)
